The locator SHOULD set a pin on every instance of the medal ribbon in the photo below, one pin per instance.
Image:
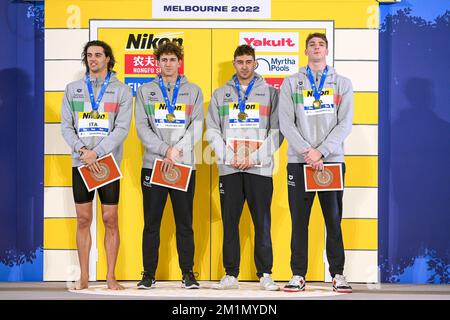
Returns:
(96, 104)
(317, 91)
(170, 107)
(241, 101)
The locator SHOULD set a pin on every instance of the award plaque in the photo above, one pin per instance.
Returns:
(328, 179)
(244, 147)
(173, 176)
(176, 178)
(109, 172)
(103, 174)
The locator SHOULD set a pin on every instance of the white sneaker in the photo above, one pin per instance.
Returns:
(340, 284)
(226, 283)
(266, 282)
(296, 284)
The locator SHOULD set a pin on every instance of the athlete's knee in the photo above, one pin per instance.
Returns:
(110, 220)
(84, 221)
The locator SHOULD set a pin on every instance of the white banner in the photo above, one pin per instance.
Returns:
(207, 9)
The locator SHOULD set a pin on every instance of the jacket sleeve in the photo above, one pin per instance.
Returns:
(214, 132)
(121, 125)
(68, 130)
(145, 132)
(274, 137)
(194, 130)
(287, 118)
(344, 122)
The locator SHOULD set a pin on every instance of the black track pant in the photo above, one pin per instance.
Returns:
(300, 204)
(155, 198)
(257, 190)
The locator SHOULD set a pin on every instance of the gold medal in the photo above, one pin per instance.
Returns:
(170, 117)
(242, 116)
(95, 114)
(317, 104)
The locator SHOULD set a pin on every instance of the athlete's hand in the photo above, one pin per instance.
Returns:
(312, 155)
(318, 165)
(82, 150)
(174, 154)
(88, 157)
(244, 164)
(166, 165)
(94, 167)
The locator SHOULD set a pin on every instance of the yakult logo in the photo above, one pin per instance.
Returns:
(270, 41)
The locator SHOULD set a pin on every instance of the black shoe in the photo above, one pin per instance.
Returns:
(189, 281)
(147, 282)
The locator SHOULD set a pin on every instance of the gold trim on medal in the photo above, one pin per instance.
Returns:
(170, 117)
(317, 104)
(242, 116)
(95, 114)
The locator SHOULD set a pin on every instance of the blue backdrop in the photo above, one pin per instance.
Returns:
(21, 140)
(414, 142)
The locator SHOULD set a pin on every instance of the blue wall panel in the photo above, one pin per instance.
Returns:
(21, 140)
(414, 138)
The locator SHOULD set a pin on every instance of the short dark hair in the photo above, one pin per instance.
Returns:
(169, 48)
(106, 48)
(244, 50)
(316, 35)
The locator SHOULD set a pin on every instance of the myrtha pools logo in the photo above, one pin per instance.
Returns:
(277, 65)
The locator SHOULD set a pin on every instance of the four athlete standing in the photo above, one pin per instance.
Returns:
(313, 111)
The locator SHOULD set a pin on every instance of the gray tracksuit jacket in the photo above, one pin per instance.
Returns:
(218, 127)
(157, 140)
(117, 101)
(325, 132)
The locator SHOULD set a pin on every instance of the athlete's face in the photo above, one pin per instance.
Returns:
(316, 50)
(245, 67)
(96, 59)
(169, 64)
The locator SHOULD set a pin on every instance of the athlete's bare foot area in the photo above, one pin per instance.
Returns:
(81, 284)
(114, 285)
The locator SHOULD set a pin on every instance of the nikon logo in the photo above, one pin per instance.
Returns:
(164, 107)
(87, 115)
(148, 41)
(247, 106)
(310, 93)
